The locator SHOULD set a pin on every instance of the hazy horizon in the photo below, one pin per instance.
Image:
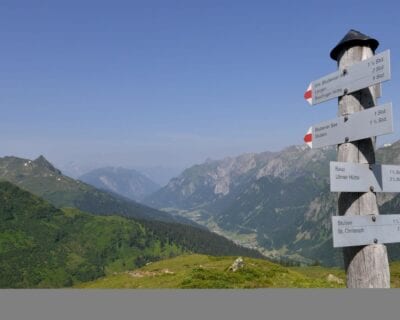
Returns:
(159, 173)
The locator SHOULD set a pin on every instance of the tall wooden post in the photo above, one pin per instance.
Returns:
(366, 266)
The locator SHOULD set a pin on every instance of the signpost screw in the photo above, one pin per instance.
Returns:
(345, 91)
(346, 118)
(375, 240)
(371, 188)
(344, 72)
(346, 139)
(373, 218)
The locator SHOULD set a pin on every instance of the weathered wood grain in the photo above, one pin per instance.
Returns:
(366, 266)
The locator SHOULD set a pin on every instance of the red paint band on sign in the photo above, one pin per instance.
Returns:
(308, 137)
(308, 94)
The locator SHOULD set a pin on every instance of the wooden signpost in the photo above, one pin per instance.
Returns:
(358, 229)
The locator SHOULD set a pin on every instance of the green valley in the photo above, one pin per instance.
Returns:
(277, 202)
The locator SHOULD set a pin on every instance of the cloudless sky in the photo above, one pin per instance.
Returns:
(144, 83)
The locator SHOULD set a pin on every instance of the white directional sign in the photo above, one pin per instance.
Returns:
(358, 76)
(360, 125)
(356, 177)
(363, 230)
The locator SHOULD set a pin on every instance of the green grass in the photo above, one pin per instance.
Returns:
(395, 274)
(205, 272)
(322, 273)
(318, 272)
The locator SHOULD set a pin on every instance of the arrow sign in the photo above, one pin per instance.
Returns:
(308, 94)
(360, 125)
(308, 137)
(358, 76)
(357, 177)
(367, 229)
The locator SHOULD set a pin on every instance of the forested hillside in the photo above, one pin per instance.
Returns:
(42, 246)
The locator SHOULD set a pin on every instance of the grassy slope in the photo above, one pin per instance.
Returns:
(321, 272)
(200, 271)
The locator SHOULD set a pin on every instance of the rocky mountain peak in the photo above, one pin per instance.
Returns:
(41, 161)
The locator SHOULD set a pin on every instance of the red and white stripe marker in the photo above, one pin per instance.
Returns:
(308, 137)
(308, 94)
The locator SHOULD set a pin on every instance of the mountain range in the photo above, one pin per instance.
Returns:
(277, 202)
(159, 174)
(41, 178)
(126, 182)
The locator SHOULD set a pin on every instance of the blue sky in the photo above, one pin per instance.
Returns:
(145, 83)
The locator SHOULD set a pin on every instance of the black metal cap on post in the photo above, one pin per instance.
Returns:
(351, 39)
